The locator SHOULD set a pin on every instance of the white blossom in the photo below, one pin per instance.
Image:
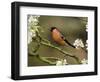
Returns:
(31, 34)
(84, 61)
(78, 43)
(65, 62)
(86, 44)
(33, 20)
(32, 27)
(61, 62)
(29, 37)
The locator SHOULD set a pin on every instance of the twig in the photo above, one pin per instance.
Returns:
(54, 58)
(62, 51)
(45, 59)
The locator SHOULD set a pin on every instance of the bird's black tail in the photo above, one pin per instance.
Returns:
(69, 43)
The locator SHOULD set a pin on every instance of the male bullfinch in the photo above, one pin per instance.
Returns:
(58, 37)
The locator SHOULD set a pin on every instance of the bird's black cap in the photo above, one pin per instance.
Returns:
(52, 28)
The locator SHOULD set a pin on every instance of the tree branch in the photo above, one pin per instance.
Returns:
(45, 59)
(62, 51)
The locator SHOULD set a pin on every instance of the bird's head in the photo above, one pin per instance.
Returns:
(52, 28)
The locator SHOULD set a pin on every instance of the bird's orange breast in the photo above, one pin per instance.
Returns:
(56, 35)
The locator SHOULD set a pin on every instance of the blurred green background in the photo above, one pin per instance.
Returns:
(71, 27)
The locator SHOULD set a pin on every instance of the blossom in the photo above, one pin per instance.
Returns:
(29, 37)
(65, 62)
(84, 61)
(58, 63)
(33, 20)
(61, 62)
(31, 34)
(32, 27)
(78, 43)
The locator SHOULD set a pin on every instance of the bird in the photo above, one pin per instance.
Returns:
(59, 38)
